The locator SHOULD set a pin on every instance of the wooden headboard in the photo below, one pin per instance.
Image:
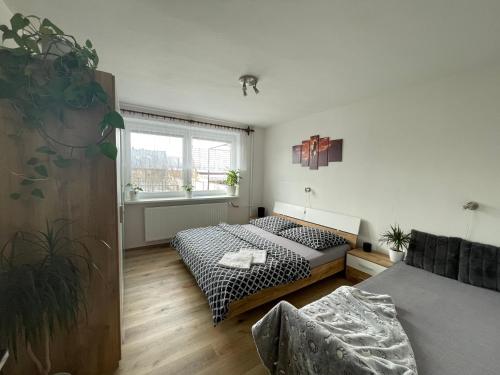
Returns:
(342, 225)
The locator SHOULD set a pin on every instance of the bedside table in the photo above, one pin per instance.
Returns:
(360, 265)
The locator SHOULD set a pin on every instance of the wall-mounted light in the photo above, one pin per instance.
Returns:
(249, 81)
(472, 206)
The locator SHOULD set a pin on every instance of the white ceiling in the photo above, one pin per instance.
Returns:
(186, 55)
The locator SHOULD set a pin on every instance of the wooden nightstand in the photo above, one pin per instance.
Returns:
(360, 265)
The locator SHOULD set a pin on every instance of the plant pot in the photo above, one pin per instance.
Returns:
(58, 48)
(133, 195)
(188, 194)
(396, 256)
(231, 190)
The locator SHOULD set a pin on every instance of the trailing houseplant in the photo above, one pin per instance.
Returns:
(398, 241)
(44, 74)
(43, 280)
(232, 181)
(188, 190)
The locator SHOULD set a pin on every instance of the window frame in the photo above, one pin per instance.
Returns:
(187, 133)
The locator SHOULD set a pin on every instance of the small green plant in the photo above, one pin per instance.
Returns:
(43, 281)
(134, 188)
(43, 76)
(233, 177)
(396, 238)
(189, 188)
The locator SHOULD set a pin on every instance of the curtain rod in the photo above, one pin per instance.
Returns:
(247, 130)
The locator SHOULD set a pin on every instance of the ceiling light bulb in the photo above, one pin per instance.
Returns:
(249, 80)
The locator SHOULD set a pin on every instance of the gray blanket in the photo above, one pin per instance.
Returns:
(349, 331)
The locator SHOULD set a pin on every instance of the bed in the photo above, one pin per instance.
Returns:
(447, 300)
(290, 265)
(453, 327)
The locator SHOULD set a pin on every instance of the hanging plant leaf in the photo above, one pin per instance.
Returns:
(114, 119)
(18, 22)
(92, 151)
(61, 162)
(27, 182)
(48, 23)
(42, 88)
(37, 193)
(15, 196)
(46, 150)
(104, 127)
(32, 45)
(108, 149)
(44, 30)
(99, 92)
(41, 170)
(7, 35)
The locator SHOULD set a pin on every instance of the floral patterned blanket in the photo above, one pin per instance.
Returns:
(349, 331)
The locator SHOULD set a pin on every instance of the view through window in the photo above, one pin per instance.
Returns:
(211, 161)
(156, 162)
(162, 158)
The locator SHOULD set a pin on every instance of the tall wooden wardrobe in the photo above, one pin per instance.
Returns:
(86, 193)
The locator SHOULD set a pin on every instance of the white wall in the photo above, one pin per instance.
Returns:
(411, 157)
(5, 14)
(250, 197)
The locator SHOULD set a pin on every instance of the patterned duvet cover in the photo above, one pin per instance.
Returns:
(202, 248)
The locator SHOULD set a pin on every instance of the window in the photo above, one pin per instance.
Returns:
(161, 158)
(156, 162)
(211, 160)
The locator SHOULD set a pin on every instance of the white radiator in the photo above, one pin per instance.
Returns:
(163, 223)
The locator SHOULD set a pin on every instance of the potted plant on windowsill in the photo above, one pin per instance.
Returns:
(188, 190)
(398, 241)
(232, 181)
(134, 191)
(43, 288)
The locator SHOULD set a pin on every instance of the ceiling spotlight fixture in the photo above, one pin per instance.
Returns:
(249, 81)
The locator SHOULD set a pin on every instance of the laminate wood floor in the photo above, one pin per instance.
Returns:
(168, 326)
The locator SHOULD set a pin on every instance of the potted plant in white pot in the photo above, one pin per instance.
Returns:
(188, 190)
(232, 181)
(398, 241)
(134, 191)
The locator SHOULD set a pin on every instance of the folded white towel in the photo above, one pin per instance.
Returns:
(258, 256)
(236, 260)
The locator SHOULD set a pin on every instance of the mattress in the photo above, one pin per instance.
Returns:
(315, 257)
(454, 328)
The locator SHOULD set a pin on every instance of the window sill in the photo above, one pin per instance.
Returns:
(199, 199)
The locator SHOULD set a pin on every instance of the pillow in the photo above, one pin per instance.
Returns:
(314, 238)
(436, 254)
(273, 224)
(479, 265)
